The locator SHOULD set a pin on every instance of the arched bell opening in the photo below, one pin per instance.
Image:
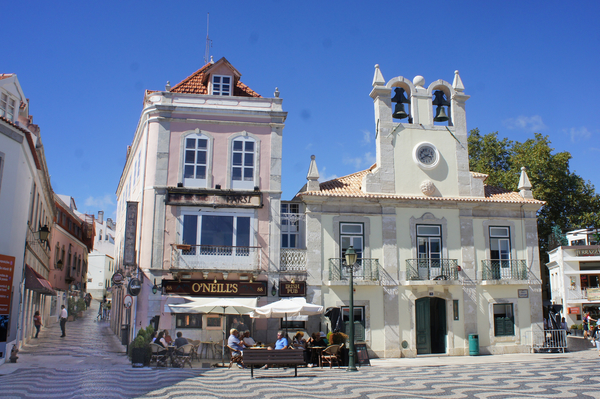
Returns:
(441, 106)
(401, 97)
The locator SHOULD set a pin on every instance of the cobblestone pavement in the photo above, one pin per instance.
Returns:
(90, 363)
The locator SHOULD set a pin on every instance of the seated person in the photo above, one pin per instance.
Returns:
(235, 345)
(282, 342)
(153, 336)
(167, 337)
(248, 341)
(316, 340)
(324, 336)
(299, 342)
(180, 341)
(160, 341)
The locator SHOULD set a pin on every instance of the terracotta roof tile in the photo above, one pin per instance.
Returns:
(195, 84)
(350, 187)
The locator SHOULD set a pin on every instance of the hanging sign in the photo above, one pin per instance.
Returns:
(130, 232)
(287, 288)
(215, 288)
(135, 287)
(127, 301)
(117, 278)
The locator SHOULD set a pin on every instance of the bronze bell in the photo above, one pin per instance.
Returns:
(399, 112)
(440, 114)
(441, 102)
(400, 99)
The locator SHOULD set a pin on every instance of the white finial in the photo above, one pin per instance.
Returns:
(212, 61)
(419, 81)
(525, 185)
(313, 176)
(378, 79)
(168, 86)
(276, 92)
(457, 85)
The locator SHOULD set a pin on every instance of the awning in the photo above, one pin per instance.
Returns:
(195, 303)
(35, 282)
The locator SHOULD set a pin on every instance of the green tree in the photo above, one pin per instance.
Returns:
(571, 202)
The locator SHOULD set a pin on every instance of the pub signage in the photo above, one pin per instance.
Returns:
(117, 278)
(135, 287)
(130, 233)
(248, 199)
(215, 288)
(588, 252)
(287, 288)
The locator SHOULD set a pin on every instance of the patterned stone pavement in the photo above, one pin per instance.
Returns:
(90, 363)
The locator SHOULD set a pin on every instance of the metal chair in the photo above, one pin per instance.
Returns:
(183, 355)
(158, 354)
(233, 357)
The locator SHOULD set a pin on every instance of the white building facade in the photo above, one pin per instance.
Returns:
(444, 260)
(575, 275)
(27, 208)
(101, 261)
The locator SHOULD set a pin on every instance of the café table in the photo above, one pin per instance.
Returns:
(316, 351)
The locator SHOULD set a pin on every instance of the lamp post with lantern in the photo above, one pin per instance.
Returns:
(350, 262)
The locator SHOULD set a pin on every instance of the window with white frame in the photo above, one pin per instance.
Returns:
(352, 234)
(429, 241)
(7, 106)
(221, 85)
(243, 162)
(500, 244)
(290, 226)
(195, 161)
(217, 234)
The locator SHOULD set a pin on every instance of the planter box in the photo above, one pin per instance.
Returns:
(80, 314)
(71, 318)
(138, 357)
(184, 247)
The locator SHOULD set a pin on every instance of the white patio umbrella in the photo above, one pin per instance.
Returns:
(222, 307)
(285, 308)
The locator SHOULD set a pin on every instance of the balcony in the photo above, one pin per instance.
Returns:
(292, 260)
(504, 269)
(39, 248)
(213, 257)
(364, 270)
(431, 269)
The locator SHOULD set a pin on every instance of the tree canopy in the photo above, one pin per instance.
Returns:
(571, 202)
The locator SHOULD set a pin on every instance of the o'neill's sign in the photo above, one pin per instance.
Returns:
(588, 252)
(215, 288)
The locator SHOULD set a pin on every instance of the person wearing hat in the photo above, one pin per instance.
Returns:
(324, 337)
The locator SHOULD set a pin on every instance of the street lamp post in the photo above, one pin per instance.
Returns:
(350, 261)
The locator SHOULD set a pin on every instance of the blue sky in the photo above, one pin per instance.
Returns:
(528, 66)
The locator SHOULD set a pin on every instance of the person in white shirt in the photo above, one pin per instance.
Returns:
(248, 341)
(63, 320)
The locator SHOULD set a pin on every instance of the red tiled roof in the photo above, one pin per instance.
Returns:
(195, 84)
(350, 187)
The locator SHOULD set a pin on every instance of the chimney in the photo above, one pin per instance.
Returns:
(101, 217)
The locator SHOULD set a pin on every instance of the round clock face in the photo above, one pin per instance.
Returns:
(426, 155)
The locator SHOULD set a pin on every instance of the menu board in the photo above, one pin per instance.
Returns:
(7, 267)
(362, 355)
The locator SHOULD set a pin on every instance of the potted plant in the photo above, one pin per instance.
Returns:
(80, 307)
(139, 350)
(71, 309)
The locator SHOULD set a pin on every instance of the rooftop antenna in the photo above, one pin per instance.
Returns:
(208, 42)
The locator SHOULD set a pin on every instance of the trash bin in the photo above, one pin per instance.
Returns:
(124, 334)
(473, 344)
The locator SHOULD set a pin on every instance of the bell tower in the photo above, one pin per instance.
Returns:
(421, 139)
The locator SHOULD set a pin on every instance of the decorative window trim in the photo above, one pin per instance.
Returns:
(209, 156)
(505, 338)
(499, 223)
(257, 152)
(366, 222)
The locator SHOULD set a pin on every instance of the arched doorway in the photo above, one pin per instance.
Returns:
(431, 325)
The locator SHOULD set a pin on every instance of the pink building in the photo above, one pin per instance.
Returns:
(202, 183)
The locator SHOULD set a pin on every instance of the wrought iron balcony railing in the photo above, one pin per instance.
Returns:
(431, 269)
(504, 269)
(364, 270)
(293, 259)
(196, 257)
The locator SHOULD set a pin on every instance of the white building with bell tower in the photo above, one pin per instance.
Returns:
(445, 261)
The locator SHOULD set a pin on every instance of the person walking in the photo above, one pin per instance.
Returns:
(63, 320)
(37, 322)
